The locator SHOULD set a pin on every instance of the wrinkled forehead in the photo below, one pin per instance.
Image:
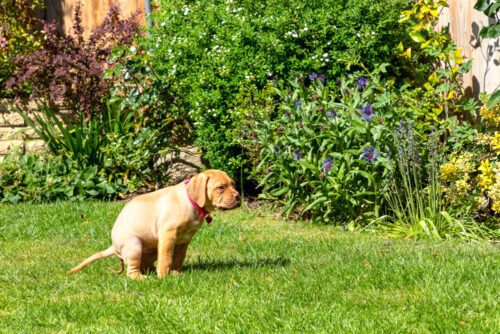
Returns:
(219, 177)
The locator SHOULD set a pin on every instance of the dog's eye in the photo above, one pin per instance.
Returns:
(221, 187)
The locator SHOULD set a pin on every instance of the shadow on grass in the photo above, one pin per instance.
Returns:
(230, 264)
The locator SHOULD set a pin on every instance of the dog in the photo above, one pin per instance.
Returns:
(161, 224)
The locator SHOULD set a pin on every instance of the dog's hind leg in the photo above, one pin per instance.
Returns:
(132, 254)
(121, 267)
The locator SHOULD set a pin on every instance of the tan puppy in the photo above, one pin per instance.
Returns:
(160, 225)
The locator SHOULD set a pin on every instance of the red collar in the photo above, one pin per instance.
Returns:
(200, 210)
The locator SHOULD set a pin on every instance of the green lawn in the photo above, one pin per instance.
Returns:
(245, 273)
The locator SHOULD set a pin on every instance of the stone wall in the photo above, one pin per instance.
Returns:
(14, 131)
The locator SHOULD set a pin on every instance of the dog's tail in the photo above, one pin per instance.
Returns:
(101, 255)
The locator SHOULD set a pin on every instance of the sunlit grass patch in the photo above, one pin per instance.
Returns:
(246, 272)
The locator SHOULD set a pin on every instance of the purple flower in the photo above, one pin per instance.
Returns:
(322, 78)
(361, 82)
(313, 76)
(296, 104)
(332, 113)
(297, 155)
(327, 165)
(367, 112)
(369, 154)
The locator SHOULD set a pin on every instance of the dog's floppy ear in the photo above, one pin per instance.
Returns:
(197, 189)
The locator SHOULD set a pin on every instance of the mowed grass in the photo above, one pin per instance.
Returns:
(244, 273)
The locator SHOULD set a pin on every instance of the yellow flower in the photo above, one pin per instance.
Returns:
(495, 191)
(496, 206)
(483, 139)
(495, 143)
(464, 164)
(448, 171)
(462, 186)
(458, 167)
(491, 116)
(485, 179)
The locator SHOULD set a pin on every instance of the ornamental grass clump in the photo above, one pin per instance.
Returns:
(416, 194)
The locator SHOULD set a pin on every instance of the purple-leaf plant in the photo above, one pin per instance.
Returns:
(70, 68)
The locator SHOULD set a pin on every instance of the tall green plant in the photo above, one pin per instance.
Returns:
(324, 154)
(81, 140)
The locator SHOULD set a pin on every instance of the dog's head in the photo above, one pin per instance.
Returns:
(214, 189)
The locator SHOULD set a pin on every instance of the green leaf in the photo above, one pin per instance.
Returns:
(494, 99)
(315, 203)
(110, 189)
(365, 193)
(493, 9)
(433, 79)
(279, 192)
(465, 67)
(492, 31)
(417, 37)
(481, 5)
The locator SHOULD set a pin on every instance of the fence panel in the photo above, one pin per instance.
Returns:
(465, 23)
(93, 12)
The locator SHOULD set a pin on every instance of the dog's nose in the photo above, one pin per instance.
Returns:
(236, 197)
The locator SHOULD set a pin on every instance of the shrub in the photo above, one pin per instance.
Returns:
(206, 53)
(324, 156)
(32, 177)
(114, 142)
(471, 172)
(107, 130)
(71, 68)
(437, 63)
(18, 34)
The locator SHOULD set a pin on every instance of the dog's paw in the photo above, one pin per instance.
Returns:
(137, 276)
(175, 273)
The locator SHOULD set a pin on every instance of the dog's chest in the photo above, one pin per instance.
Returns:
(189, 231)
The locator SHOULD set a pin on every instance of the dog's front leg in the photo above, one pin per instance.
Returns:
(179, 255)
(166, 246)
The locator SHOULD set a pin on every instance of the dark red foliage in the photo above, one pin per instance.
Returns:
(70, 68)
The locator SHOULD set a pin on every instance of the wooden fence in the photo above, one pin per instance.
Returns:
(465, 23)
(93, 12)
